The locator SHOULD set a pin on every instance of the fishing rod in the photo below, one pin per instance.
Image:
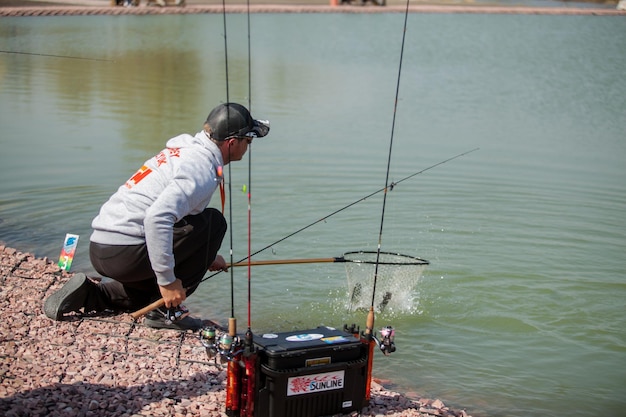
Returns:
(249, 175)
(56, 56)
(249, 185)
(369, 336)
(393, 125)
(232, 299)
(249, 357)
(229, 342)
(390, 187)
(240, 354)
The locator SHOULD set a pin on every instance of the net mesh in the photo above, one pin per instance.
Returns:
(396, 280)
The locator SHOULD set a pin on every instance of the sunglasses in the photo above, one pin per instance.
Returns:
(246, 138)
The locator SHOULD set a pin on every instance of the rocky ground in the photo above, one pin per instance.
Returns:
(114, 366)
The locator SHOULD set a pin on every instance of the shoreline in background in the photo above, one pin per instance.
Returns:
(147, 7)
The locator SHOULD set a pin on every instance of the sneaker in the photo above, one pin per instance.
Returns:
(177, 318)
(71, 297)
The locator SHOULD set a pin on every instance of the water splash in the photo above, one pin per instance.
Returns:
(396, 286)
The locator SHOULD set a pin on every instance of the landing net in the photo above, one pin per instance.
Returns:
(397, 278)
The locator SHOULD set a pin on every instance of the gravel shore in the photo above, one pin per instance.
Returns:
(114, 366)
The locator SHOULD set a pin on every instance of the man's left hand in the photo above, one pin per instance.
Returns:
(219, 264)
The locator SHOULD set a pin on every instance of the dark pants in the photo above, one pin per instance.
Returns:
(197, 240)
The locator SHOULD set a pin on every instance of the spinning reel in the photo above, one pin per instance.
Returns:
(386, 344)
(222, 348)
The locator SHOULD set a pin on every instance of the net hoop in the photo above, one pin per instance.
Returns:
(386, 258)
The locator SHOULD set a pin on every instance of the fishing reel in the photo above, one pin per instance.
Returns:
(222, 348)
(387, 342)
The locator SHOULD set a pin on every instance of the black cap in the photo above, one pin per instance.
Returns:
(234, 120)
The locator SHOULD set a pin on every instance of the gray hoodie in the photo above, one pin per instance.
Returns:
(179, 181)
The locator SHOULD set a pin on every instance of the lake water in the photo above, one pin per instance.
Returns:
(522, 309)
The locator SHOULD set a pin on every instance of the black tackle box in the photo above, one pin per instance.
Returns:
(310, 373)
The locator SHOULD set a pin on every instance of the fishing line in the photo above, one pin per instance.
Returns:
(57, 56)
(393, 125)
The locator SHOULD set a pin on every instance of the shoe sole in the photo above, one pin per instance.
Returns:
(52, 305)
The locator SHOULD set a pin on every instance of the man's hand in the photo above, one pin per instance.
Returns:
(219, 264)
(173, 294)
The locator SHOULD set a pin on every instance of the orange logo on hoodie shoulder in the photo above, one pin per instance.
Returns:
(139, 175)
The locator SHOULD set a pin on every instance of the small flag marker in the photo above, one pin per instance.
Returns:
(67, 253)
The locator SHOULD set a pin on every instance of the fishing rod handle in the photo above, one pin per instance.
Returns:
(140, 313)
